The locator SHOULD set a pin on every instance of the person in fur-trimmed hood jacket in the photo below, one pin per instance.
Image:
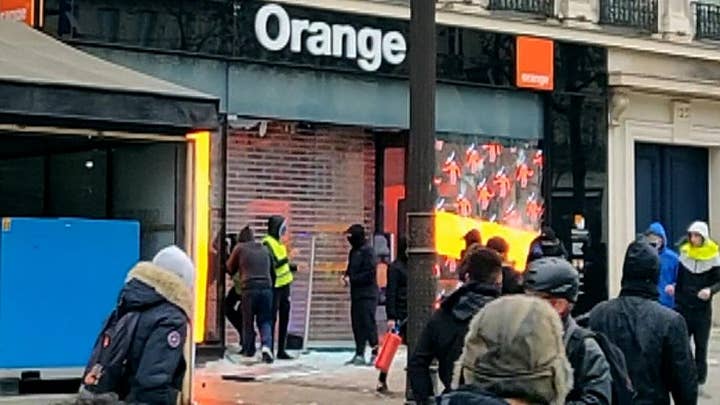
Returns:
(698, 280)
(138, 358)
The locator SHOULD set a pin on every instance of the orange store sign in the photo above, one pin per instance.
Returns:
(18, 10)
(535, 60)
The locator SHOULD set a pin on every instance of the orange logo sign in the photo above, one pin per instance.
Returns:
(534, 63)
(18, 10)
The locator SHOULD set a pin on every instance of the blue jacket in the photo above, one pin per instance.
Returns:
(668, 266)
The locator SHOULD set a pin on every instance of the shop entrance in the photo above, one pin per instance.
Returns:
(54, 176)
(671, 186)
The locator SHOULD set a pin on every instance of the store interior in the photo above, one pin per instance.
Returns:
(79, 176)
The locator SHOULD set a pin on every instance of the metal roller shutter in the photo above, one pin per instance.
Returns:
(321, 179)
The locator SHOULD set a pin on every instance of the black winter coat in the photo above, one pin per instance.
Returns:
(655, 343)
(471, 396)
(592, 381)
(362, 272)
(689, 284)
(396, 291)
(444, 336)
(155, 364)
(512, 281)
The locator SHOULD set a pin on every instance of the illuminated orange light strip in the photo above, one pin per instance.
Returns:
(201, 144)
(450, 229)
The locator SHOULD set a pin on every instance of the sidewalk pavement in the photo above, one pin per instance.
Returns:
(322, 378)
(315, 378)
(318, 378)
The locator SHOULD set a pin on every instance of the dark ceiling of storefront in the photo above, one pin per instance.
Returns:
(22, 145)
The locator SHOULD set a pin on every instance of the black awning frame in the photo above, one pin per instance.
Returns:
(101, 109)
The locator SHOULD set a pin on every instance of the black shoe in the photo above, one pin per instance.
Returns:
(284, 356)
(382, 388)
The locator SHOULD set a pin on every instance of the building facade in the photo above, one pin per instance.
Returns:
(317, 129)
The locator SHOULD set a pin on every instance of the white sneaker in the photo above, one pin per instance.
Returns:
(267, 355)
(702, 393)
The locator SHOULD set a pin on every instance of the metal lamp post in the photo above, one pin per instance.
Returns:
(421, 168)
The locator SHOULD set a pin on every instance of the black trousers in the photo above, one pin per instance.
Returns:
(233, 312)
(281, 309)
(362, 315)
(699, 323)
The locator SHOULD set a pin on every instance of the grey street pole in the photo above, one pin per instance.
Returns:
(421, 169)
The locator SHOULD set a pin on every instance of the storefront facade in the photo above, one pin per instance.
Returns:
(664, 152)
(317, 118)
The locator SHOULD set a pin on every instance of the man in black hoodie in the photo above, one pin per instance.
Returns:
(362, 275)
(653, 338)
(443, 336)
(249, 264)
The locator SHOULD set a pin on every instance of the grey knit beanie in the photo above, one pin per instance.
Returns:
(174, 260)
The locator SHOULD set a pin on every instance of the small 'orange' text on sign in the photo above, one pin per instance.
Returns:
(18, 10)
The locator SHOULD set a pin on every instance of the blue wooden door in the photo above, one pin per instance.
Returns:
(671, 186)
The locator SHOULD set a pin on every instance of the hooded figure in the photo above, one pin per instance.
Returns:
(653, 338)
(361, 273)
(513, 351)
(159, 297)
(442, 338)
(668, 263)
(546, 245)
(250, 265)
(697, 282)
(282, 278)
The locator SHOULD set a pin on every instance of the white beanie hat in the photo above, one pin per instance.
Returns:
(700, 228)
(174, 260)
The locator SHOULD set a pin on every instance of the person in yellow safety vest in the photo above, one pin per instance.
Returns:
(282, 275)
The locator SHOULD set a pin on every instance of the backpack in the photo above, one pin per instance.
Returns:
(106, 371)
(622, 389)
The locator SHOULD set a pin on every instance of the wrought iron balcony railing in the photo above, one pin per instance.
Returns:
(641, 14)
(541, 7)
(707, 21)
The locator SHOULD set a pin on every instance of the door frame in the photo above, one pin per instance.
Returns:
(623, 134)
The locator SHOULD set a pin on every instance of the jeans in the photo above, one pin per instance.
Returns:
(257, 308)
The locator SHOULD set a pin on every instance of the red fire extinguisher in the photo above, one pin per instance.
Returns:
(387, 351)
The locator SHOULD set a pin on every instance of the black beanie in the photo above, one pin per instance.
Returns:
(641, 263)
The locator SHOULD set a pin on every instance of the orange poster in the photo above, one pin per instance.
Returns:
(18, 10)
(535, 60)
